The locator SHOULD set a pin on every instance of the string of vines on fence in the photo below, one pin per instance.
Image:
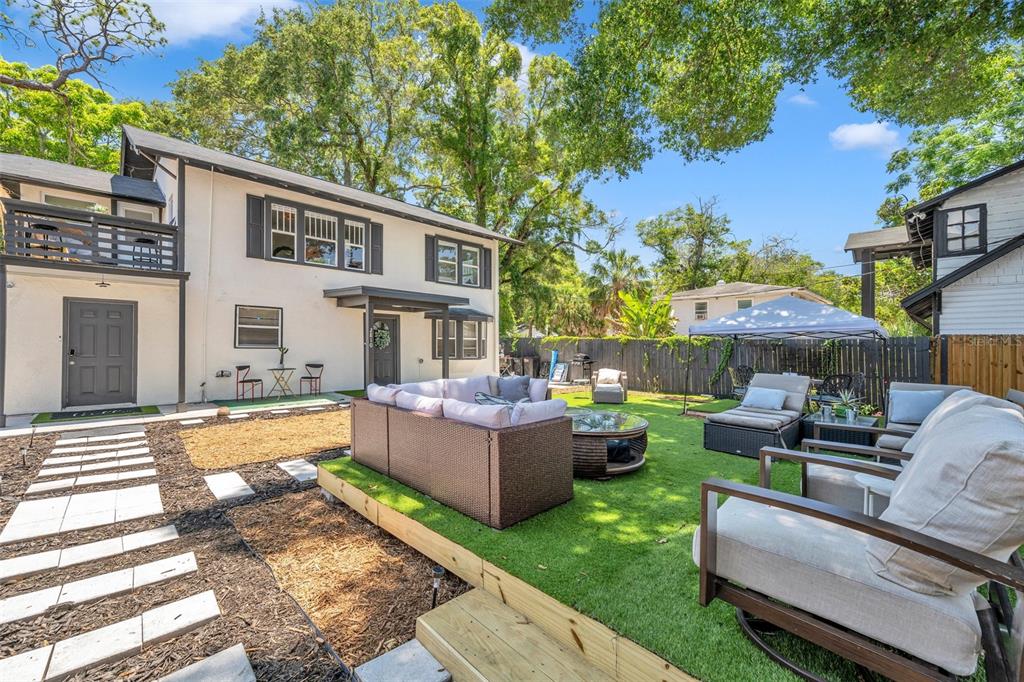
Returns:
(724, 355)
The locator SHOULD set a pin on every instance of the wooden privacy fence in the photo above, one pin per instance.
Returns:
(989, 364)
(655, 365)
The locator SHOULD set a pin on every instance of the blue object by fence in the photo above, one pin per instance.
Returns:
(551, 368)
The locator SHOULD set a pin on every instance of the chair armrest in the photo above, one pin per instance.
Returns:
(812, 445)
(972, 562)
(804, 458)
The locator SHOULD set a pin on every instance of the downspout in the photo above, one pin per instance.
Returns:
(206, 298)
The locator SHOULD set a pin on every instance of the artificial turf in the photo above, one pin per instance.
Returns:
(715, 406)
(620, 551)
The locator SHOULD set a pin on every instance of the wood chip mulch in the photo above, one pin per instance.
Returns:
(362, 587)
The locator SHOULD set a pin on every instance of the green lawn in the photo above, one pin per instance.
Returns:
(620, 550)
(715, 406)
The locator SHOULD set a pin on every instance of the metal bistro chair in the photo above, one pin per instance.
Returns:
(831, 386)
(242, 381)
(314, 372)
(740, 376)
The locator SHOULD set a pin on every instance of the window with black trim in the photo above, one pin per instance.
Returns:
(700, 310)
(450, 261)
(447, 262)
(743, 304)
(258, 327)
(467, 339)
(321, 238)
(963, 231)
(282, 232)
(355, 244)
(469, 259)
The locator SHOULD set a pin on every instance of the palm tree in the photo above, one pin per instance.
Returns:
(614, 272)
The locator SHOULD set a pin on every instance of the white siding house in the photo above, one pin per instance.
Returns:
(976, 235)
(708, 303)
(216, 262)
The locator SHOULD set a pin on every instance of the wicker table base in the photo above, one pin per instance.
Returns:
(590, 454)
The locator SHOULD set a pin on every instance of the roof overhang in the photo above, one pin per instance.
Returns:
(397, 300)
(460, 314)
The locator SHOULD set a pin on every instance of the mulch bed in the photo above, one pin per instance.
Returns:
(255, 611)
(363, 588)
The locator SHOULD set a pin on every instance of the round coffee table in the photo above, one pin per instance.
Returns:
(591, 433)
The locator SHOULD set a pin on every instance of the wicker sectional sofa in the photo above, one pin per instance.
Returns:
(498, 476)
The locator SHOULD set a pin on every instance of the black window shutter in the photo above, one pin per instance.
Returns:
(376, 249)
(431, 275)
(254, 218)
(939, 233)
(486, 279)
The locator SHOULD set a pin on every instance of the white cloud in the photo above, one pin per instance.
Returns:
(188, 20)
(877, 135)
(803, 99)
(526, 55)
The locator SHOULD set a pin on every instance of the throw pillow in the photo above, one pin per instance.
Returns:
(419, 403)
(382, 394)
(464, 389)
(489, 416)
(526, 412)
(608, 376)
(962, 400)
(966, 487)
(764, 398)
(514, 389)
(912, 407)
(538, 390)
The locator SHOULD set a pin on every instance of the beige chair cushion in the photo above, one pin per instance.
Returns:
(431, 389)
(962, 400)
(607, 393)
(892, 442)
(965, 485)
(795, 386)
(432, 407)
(754, 418)
(465, 389)
(608, 376)
(538, 390)
(488, 416)
(527, 412)
(837, 486)
(819, 567)
(382, 394)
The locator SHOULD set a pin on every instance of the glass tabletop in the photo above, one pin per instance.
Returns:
(602, 422)
(834, 419)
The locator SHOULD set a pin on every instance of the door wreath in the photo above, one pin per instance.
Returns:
(380, 336)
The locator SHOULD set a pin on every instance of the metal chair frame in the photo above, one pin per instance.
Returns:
(242, 380)
(312, 379)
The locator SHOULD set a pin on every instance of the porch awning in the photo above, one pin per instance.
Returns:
(460, 314)
(392, 299)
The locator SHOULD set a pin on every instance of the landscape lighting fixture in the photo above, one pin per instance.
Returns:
(438, 573)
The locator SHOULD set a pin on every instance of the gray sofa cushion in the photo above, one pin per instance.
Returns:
(819, 567)
(754, 418)
(913, 407)
(514, 388)
(892, 442)
(837, 486)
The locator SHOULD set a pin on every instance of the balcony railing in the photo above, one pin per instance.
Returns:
(65, 235)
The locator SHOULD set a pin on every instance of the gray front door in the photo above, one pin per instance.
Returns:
(385, 360)
(99, 352)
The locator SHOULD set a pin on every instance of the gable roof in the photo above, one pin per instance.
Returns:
(743, 289)
(981, 180)
(75, 178)
(138, 139)
(919, 303)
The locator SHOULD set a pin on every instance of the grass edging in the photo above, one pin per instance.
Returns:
(616, 655)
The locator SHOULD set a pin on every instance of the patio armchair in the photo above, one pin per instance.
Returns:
(609, 386)
(830, 387)
(895, 594)
(744, 430)
(740, 377)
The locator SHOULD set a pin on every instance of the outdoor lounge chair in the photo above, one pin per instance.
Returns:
(608, 386)
(895, 594)
(744, 430)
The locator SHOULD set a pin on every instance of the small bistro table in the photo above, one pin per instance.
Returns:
(282, 377)
(598, 435)
(817, 426)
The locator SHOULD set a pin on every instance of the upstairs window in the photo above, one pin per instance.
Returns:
(700, 310)
(76, 204)
(355, 245)
(321, 238)
(282, 232)
(743, 304)
(447, 262)
(963, 231)
(470, 266)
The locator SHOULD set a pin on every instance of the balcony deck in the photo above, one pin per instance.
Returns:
(43, 235)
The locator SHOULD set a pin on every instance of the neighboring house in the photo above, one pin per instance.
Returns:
(708, 303)
(149, 287)
(975, 233)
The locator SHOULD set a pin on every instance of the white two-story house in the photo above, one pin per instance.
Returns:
(974, 236)
(153, 286)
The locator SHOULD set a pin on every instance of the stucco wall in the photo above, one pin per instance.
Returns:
(35, 317)
(315, 329)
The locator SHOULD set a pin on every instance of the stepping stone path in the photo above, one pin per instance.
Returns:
(299, 469)
(228, 486)
(280, 411)
(191, 422)
(78, 454)
(244, 415)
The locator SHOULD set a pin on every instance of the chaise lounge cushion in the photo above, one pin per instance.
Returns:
(754, 418)
(764, 398)
(465, 389)
(794, 385)
(527, 412)
(382, 394)
(819, 567)
(488, 416)
(965, 485)
(431, 389)
(419, 403)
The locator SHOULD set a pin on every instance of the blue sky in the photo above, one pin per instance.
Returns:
(818, 176)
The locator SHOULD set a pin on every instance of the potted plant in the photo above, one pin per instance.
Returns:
(283, 351)
(847, 405)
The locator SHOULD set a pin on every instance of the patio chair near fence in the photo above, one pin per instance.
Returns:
(741, 376)
(896, 594)
(608, 386)
(831, 386)
(766, 418)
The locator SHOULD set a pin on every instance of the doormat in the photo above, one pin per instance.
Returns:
(74, 415)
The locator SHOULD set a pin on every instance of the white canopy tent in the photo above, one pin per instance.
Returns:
(790, 317)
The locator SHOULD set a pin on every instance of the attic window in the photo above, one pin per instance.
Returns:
(963, 231)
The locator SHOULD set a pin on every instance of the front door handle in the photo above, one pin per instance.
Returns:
(71, 356)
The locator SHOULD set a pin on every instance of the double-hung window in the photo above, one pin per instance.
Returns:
(321, 246)
(965, 231)
(744, 303)
(470, 339)
(282, 232)
(452, 338)
(467, 339)
(700, 310)
(355, 245)
(258, 327)
(470, 266)
(447, 262)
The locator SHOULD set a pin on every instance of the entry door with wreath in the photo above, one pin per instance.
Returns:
(386, 356)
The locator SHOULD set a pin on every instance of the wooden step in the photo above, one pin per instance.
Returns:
(477, 637)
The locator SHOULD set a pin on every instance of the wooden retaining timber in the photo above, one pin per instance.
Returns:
(613, 654)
